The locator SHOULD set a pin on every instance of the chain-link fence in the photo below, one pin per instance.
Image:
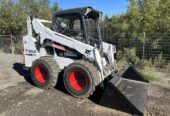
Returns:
(10, 44)
(146, 45)
(6, 43)
(141, 49)
(151, 50)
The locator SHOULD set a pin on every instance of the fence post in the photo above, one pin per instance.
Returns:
(143, 46)
(12, 44)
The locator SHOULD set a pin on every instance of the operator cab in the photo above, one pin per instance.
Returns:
(81, 24)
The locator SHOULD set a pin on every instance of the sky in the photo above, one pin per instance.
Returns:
(109, 7)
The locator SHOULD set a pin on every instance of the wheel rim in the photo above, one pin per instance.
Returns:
(41, 74)
(77, 80)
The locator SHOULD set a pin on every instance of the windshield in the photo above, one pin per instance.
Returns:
(91, 27)
(69, 26)
(92, 31)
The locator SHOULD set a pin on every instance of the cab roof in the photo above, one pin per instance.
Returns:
(83, 11)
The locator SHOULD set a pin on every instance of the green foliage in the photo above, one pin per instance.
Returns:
(39, 9)
(12, 18)
(17, 44)
(13, 14)
(159, 61)
(152, 75)
(5, 45)
(18, 49)
(145, 27)
(167, 67)
(128, 55)
(54, 8)
(121, 63)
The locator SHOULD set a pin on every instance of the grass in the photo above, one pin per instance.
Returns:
(167, 67)
(121, 63)
(148, 71)
(152, 75)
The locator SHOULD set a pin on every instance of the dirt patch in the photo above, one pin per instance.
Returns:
(158, 101)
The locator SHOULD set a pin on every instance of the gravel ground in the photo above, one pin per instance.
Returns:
(18, 97)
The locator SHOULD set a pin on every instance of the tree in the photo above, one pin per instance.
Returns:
(54, 8)
(12, 18)
(146, 22)
(14, 13)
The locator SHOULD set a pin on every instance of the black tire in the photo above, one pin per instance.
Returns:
(44, 72)
(87, 79)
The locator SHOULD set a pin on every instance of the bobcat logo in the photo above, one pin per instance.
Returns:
(87, 51)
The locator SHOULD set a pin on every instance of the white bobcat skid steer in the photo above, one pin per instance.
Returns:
(74, 45)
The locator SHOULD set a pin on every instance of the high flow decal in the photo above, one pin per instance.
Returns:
(58, 47)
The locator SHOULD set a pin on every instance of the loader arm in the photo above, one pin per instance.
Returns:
(46, 33)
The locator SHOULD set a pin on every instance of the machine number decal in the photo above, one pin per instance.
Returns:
(30, 51)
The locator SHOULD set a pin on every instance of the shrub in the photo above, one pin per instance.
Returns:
(121, 63)
(167, 67)
(144, 63)
(18, 48)
(128, 55)
(5, 45)
(159, 61)
(152, 75)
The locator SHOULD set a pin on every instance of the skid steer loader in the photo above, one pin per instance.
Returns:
(74, 45)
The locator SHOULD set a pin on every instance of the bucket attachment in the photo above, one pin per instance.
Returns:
(126, 91)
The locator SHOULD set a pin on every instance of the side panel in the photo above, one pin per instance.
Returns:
(30, 51)
(63, 62)
(110, 50)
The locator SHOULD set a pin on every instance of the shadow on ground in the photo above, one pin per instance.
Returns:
(60, 85)
(18, 67)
